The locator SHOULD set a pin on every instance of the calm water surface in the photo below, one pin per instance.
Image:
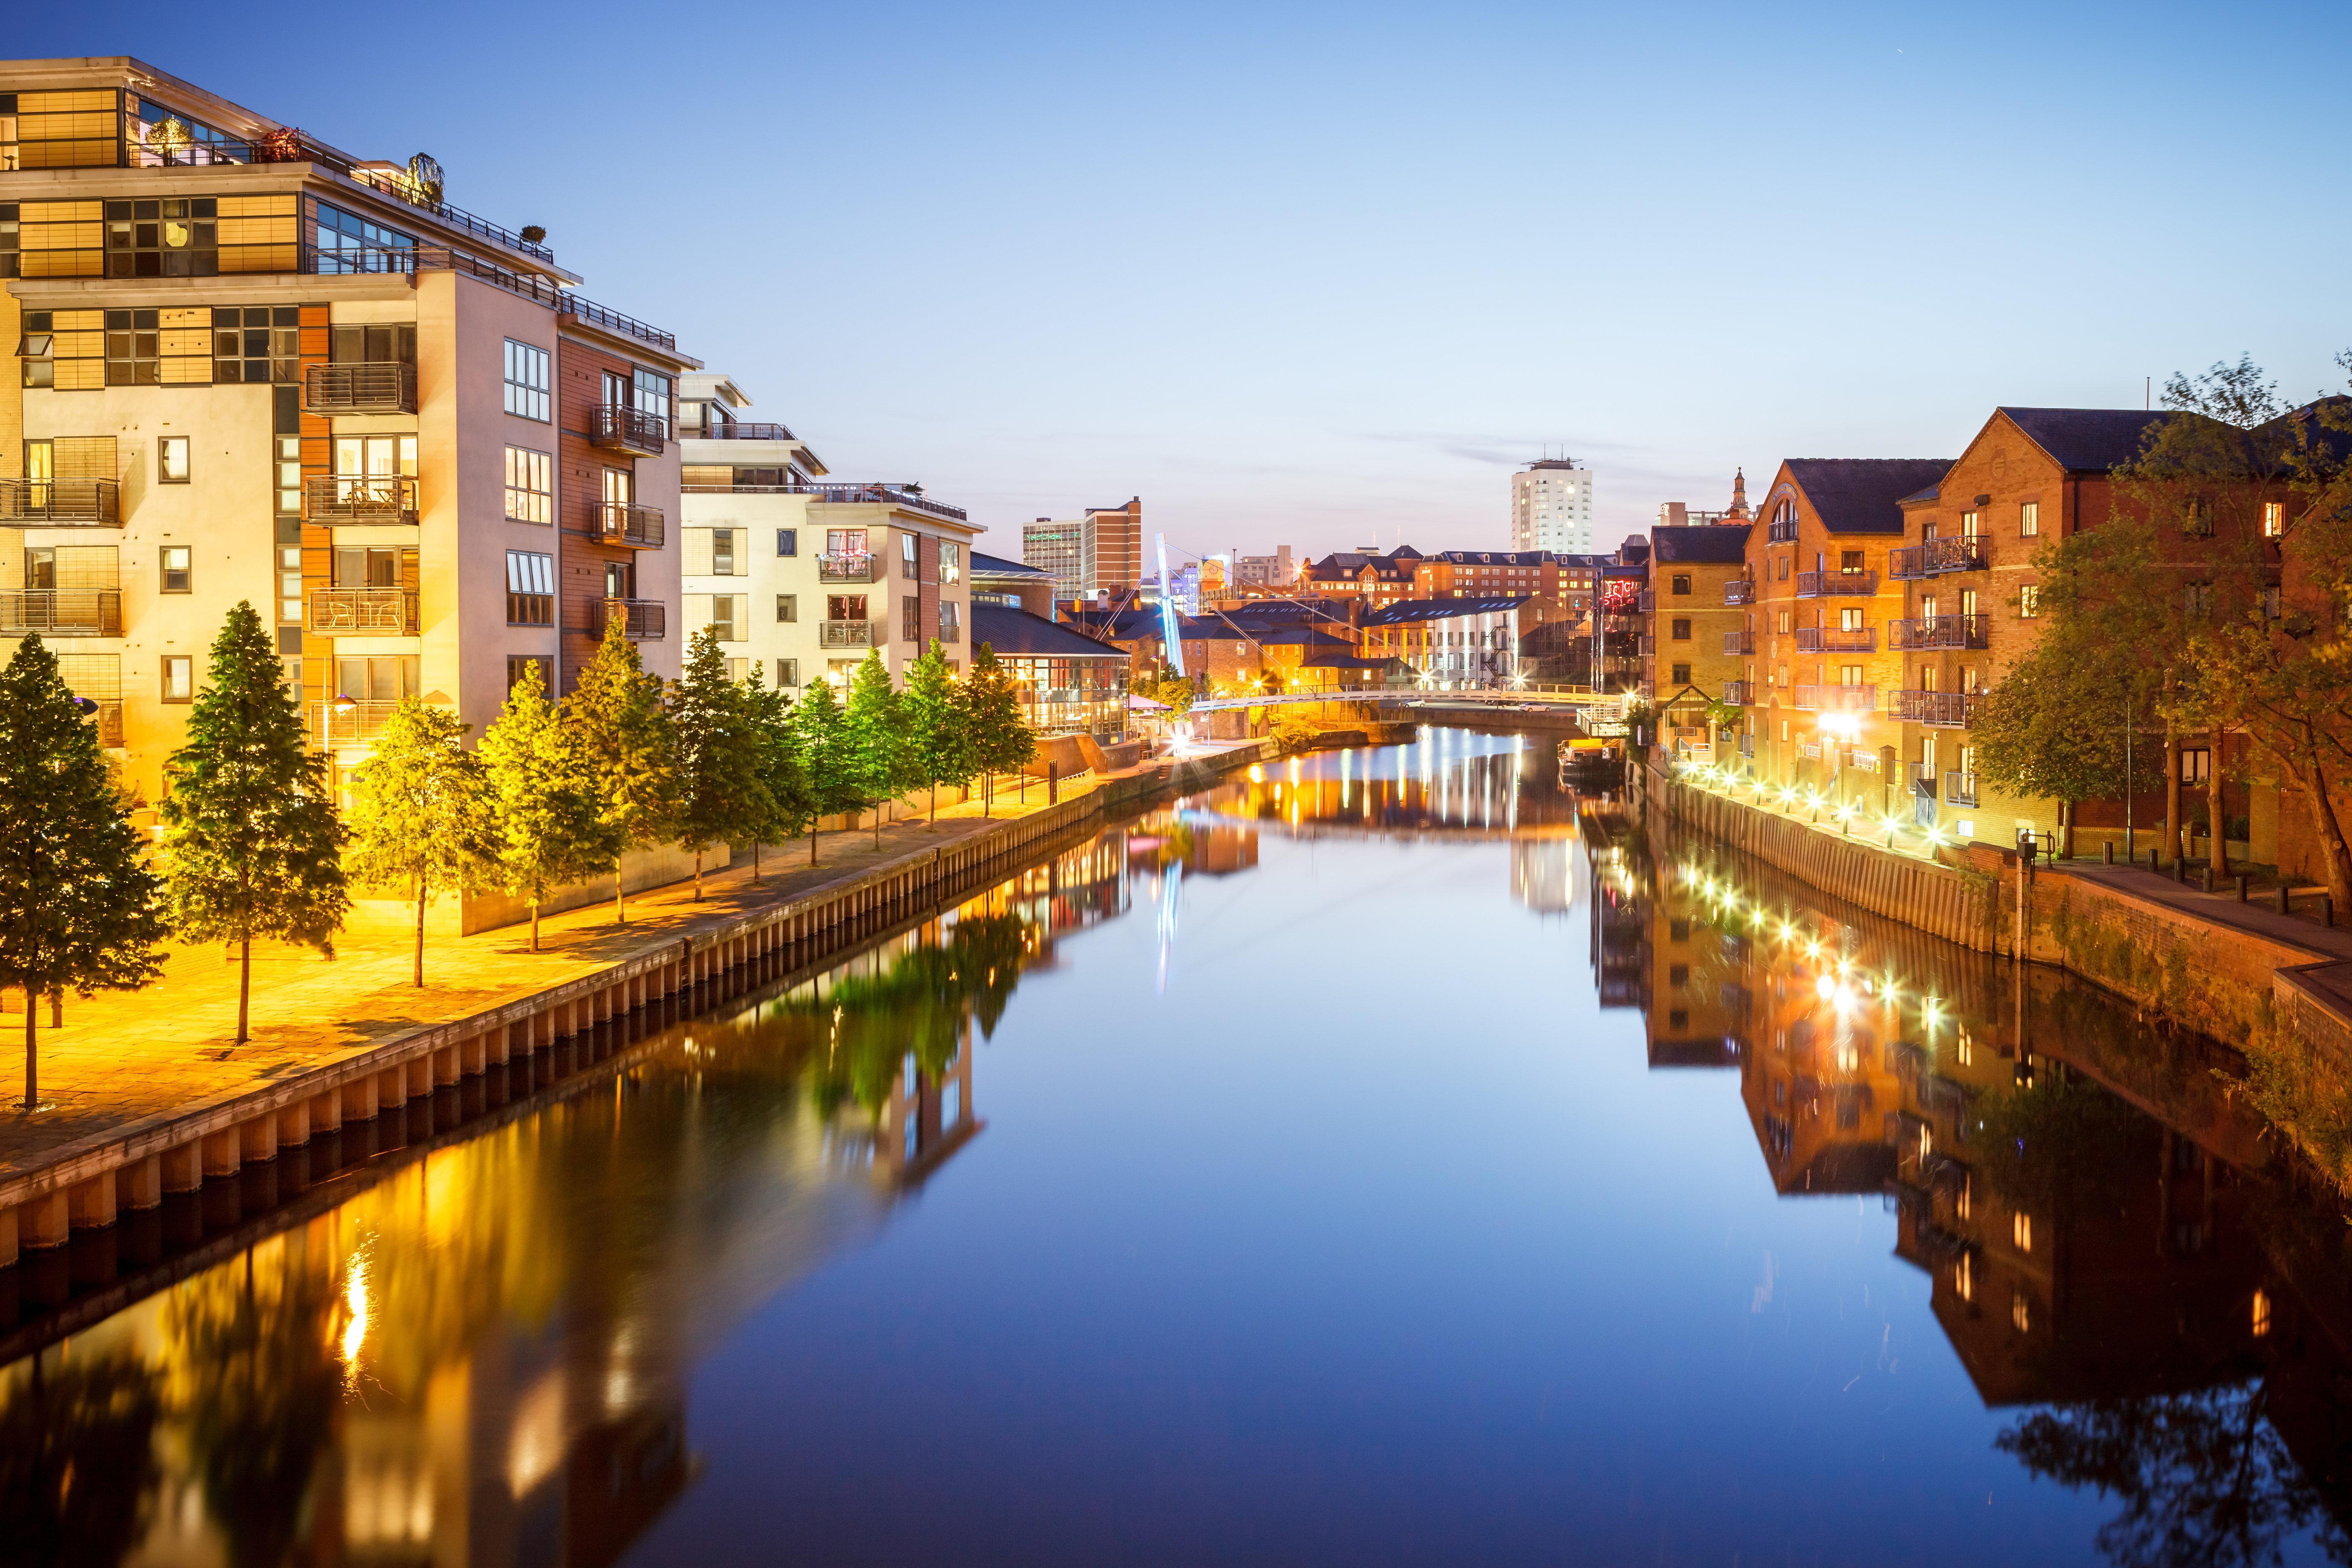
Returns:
(1376, 1161)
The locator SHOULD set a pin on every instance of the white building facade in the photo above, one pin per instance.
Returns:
(1551, 506)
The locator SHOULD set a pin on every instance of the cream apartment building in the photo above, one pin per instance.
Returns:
(245, 365)
(804, 573)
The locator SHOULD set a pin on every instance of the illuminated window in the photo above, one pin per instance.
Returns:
(2262, 1317)
(2029, 519)
(531, 589)
(2029, 601)
(527, 380)
(2021, 1311)
(1964, 1278)
(171, 460)
(530, 486)
(179, 677)
(2020, 1230)
(2273, 519)
(174, 565)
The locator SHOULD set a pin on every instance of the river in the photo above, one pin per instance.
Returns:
(1383, 1158)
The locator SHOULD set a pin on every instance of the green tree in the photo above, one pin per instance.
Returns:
(616, 717)
(252, 846)
(880, 752)
(2036, 734)
(1177, 692)
(827, 761)
(545, 814)
(776, 743)
(722, 794)
(1001, 741)
(422, 813)
(79, 906)
(937, 729)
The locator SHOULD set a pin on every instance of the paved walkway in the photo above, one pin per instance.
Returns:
(122, 1056)
(2261, 919)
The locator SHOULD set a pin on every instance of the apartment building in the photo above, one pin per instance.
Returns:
(1565, 583)
(1274, 571)
(804, 573)
(1365, 574)
(1697, 649)
(1551, 506)
(1099, 552)
(1455, 644)
(247, 366)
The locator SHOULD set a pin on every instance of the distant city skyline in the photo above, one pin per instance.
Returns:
(1271, 293)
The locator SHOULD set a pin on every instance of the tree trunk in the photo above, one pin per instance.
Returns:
(243, 984)
(2214, 821)
(32, 1056)
(812, 840)
(619, 907)
(2172, 793)
(420, 933)
(697, 875)
(2066, 828)
(56, 1006)
(2331, 833)
(877, 827)
(987, 794)
(755, 860)
(534, 925)
(935, 803)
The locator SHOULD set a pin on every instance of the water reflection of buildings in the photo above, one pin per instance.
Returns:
(478, 1355)
(2113, 1247)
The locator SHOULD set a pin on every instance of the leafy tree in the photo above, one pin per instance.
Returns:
(1177, 693)
(77, 904)
(880, 752)
(423, 810)
(252, 846)
(776, 754)
(2035, 734)
(722, 795)
(545, 813)
(828, 763)
(616, 717)
(1002, 739)
(937, 730)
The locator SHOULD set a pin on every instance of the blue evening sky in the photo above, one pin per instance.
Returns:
(1325, 274)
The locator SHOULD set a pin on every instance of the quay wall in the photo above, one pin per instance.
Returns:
(88, 1184)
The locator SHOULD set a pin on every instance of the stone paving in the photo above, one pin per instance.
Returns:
(122, 1056)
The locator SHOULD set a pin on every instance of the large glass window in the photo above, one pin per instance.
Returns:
(650, 392)
(175, 237)
(530, 485)
(256, 343)
(527, 380)
(531, 589)
(350, 243)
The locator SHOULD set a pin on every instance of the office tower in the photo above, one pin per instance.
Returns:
(1551, 506)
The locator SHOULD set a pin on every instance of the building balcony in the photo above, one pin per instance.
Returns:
(847, 567)
(738, 431)
(348, 721)
(630, 526)
(1739, 693)
(1646, 647)
(1934, 558)
(371, 389)
(628, 430)
(1959, 789)
(1826, 640)
(1738, 645)
(60, 503)
(1835, 698)
(851, 634)
(1938, 632)
(1946, 710)
(1836, 584)
(1646, 602)
(1740, 591)
(62, 612)
(1781, 532)
(344, 498)
(360, 612)
(642, 620)
(909, 495)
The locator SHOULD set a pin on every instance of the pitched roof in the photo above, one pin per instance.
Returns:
(986, 565)
(1860, 495)
(1406, 610)
(2087, 440)
(1707, 544)
(1010, 631)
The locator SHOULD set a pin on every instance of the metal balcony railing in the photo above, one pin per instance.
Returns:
(738, 431)
(849, 633)
(360, 612)
(1739, 693)
(1835, 698)
(888, 494)
(60, 503)
(1782, 531)
(1967, 552)
(1646, 601)
(627, 429)
(349, 721)
(631, 526)
(359, 498)
(1948, 710)
(368, 388)
(1740, 591)
(1959, 789)
(847, 566)
(1939, 631)
(1831, 639)
(1835, 584)
(643, 620)
(62, 612)
(1736, 644)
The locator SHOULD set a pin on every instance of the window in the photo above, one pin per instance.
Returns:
(518, 664)
(2020, 1230)
(1682, 631)
(907, 567)
(2029, 601)
(620, 580)
(2273, 519)
(527, 380)
(650, 391)
(788, 541)
(2196, 764)
(845, 608)
(172, 460)
(288, 461)
(722, 553)
(1968, 525)
(176, 571)
(950, 621)
(531, 589)
(530, 486)
(788, 608)
(289, 584)
(728, 615)
(1681, 583)
(2029, 519)
(1785, 559)
(1849, 619)
(1849, 675)
(179, 677)
(350, 243)
(133, 348)
(2199, 599)
(910, 618)
(788, 672)
(1681, 676)
(256, 343)
(1849, 561)
(1782, 622)
(950, 562)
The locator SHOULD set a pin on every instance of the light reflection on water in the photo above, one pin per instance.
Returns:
(1391, 1194)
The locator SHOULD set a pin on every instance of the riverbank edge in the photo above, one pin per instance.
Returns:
(86, 1184)
(2286, 1006)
